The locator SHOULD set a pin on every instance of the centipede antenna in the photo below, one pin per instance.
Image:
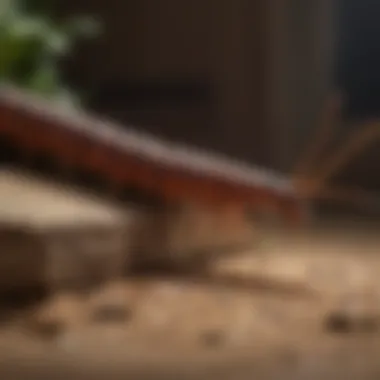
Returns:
(322, 137)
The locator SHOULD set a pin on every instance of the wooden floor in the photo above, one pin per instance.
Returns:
(197, 329)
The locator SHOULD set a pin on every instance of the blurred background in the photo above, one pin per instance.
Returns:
(246, 78)
(250, 79)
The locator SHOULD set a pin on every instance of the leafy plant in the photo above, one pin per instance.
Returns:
(32, 45)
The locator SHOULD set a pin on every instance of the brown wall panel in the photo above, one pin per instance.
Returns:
(264, 65)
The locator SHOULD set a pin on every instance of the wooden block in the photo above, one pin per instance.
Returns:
(62, 258)
(176, 234)
(22, 258)
(87, 257)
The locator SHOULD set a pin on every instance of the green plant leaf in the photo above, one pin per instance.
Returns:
(31, 44)
(45, 79)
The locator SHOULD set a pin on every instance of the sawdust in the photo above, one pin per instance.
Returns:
(193, 328)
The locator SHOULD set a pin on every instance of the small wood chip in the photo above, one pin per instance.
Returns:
(340, 322)
(111, 313)
(212, 338)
